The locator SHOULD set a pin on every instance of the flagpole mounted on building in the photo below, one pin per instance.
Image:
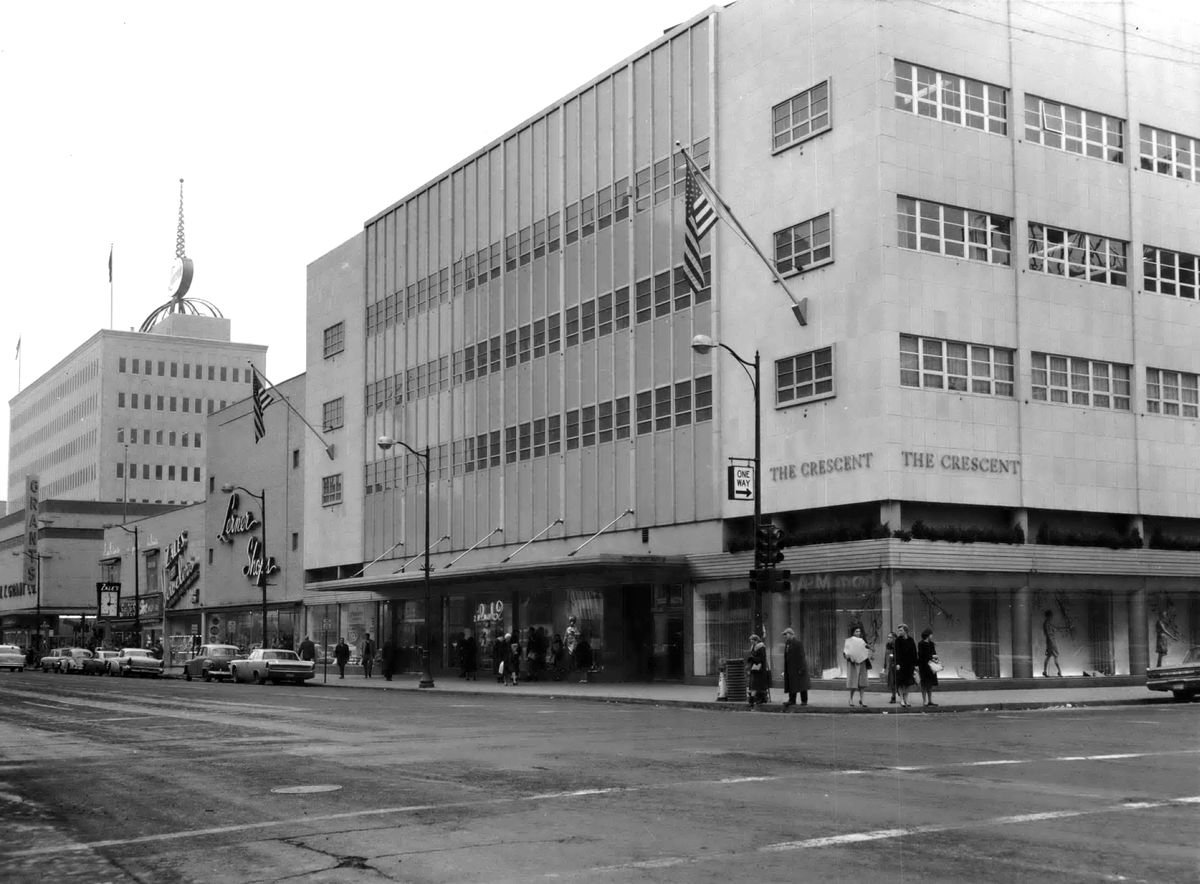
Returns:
(260, 399)
(700, 215)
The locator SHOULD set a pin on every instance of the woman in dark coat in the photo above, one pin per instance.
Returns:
(906, 662)
(926, 651)
(468, 656)
(756, 670)
(795, 669)
(889, 664)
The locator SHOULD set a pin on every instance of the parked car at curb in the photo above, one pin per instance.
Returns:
(135, 661)
(212, 661)
(273, 665)
(73, 660)
(51, 659)
(98, 664)
(12, 657)
(1182, 680)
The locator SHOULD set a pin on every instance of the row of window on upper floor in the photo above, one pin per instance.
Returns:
(184, 404)
(964, 367)
(956, 232)
(146, 367)
(669, 406)
(157, 437)
(963, 101)
(597, 317)
(158, 472)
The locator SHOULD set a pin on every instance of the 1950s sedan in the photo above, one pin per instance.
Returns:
(12, 657)
(212, 661)
(273, 665)
(135, 661)
(1182, 680)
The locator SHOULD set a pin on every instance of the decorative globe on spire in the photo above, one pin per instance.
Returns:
(181, 281)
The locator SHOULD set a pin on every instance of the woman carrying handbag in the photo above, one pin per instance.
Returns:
(928, 665)
(756, 670)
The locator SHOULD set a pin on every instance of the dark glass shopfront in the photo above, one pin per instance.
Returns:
(629, 631)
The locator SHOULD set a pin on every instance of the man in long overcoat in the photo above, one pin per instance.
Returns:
(796, 679)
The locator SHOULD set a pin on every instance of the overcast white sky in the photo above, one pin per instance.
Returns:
(291, 123)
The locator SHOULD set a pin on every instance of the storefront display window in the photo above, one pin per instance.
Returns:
(1173, 626)
(720, 626)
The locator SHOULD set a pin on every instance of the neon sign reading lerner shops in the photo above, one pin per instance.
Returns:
(236, 522)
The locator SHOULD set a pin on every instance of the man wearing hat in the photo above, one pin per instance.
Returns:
(795, 669)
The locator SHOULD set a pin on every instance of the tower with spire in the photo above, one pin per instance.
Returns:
(181, 282)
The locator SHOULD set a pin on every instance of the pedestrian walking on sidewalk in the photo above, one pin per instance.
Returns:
(387, 659)
(889, 664)
(368, 656)
(857, 655)
(341, 656)
(926, 659)
(906, 663)
(468, 656)
(795, 669)
(756, 670)
(308, 651)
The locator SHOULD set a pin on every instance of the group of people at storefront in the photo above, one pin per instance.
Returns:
(534, 656)
(906, 662)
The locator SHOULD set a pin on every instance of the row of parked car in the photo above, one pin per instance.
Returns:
(211, 661)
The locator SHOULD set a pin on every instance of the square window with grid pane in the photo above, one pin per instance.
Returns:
(801, 116)
(804, 246)
(804, 377)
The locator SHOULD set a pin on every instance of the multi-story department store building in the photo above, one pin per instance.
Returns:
(990, 414)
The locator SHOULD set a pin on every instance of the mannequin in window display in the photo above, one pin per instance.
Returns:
(1048, 630)
(1163, 636)
(570, 642)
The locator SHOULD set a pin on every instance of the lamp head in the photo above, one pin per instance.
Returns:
(226, 487)
(385, 442)
(703, 343)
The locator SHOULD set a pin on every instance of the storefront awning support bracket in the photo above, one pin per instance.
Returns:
(475, 545)
(400, 570)
(601, 531)
(377, 558)
(557, 521)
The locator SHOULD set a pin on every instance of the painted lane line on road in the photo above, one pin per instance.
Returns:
(918, 768)
(1016, 819)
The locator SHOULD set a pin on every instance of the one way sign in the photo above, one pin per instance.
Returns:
(741, 482)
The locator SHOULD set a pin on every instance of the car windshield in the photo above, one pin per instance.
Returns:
(132, 652)
(1193, 655)
(222, 651)
(80, 652)
(280, 655)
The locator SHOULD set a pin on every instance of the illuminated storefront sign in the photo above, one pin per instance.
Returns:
(182, 572)
(236, 522)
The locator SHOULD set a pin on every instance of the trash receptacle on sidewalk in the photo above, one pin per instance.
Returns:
(735, 681)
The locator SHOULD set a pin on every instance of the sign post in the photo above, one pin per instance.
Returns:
(325, 649)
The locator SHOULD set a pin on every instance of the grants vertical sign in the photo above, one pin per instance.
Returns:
(32, 499)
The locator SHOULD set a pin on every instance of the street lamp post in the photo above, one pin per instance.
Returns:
(137, 603)
(385, 443)
(266, 563)
(704, 344)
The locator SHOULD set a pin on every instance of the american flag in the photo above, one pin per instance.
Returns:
(261, 399)
(699, 217)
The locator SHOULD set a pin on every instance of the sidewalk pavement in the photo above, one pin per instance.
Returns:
(827, 697)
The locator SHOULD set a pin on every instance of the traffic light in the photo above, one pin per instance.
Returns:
(758, 580)
(767, 546)
(782, 581)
